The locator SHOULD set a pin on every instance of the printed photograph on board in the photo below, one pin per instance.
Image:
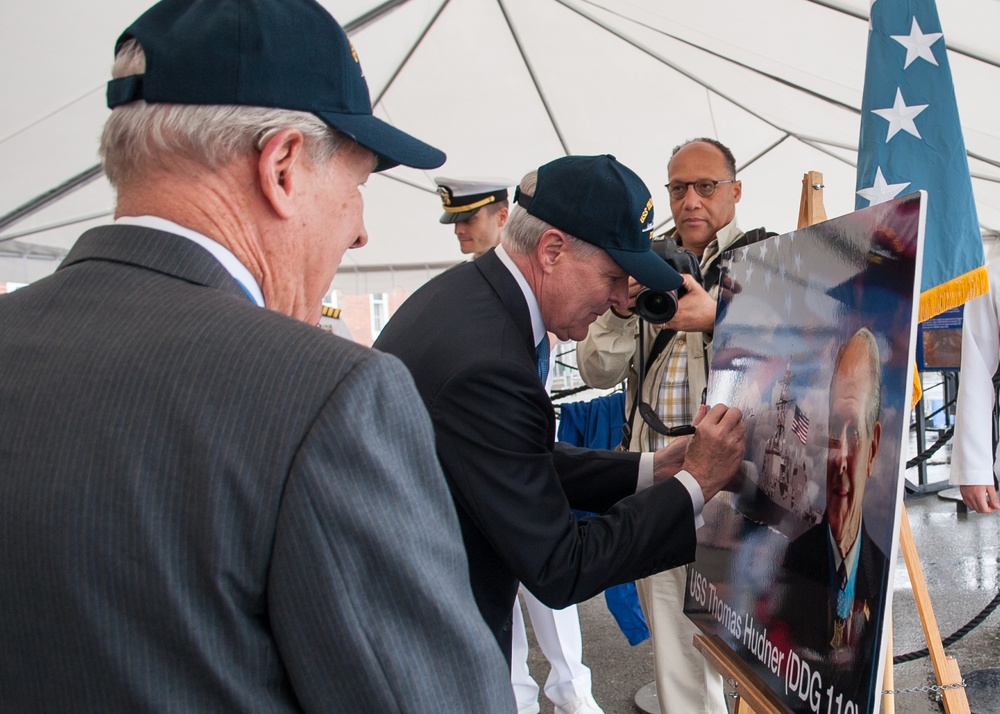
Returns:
(815, 342)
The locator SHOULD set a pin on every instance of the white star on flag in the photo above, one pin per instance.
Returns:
(917, 44)
(881, 191)
(900, 116)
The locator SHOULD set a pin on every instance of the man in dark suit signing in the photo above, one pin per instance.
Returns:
(205, 504)
(475, 340)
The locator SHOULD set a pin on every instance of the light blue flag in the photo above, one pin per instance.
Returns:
(911, 139)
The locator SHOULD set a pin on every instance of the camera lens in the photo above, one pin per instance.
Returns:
(654, 306)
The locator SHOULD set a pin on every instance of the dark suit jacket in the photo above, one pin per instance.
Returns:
(808, 611)
(210, 507)
(466, 337)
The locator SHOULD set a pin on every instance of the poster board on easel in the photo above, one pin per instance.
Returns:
(764, 578)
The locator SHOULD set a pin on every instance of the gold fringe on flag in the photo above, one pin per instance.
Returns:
(953, 293)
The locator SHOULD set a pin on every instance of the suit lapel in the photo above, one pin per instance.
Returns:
(155, 250)
(509, 292)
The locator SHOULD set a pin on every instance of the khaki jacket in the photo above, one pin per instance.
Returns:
(608, 355)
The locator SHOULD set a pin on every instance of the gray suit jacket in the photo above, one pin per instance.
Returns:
(206, 506)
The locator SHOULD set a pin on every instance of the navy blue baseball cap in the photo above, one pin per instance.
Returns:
(601, 201)
(283, 54)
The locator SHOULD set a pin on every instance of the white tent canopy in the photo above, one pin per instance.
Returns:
(504, 86)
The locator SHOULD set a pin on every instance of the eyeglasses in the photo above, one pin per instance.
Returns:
(703, 187)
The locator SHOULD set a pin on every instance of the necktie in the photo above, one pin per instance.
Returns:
(542, 354)
(844, 599)
(247, 291)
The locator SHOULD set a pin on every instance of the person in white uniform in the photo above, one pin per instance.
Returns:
(973, 459)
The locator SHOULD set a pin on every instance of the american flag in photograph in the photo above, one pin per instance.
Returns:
(800, 425)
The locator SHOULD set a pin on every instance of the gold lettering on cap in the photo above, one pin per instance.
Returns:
(646, 210)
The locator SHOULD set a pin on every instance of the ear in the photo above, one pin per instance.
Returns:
(501, 215)
(876, 436)
(279, 169)
(550, 248)
(737, 191)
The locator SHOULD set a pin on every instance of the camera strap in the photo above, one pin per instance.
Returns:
(660, 343)
(648, 414)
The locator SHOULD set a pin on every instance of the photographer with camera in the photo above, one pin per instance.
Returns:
(662, 343)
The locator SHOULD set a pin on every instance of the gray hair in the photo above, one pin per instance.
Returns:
(140, 135)
(874, 372)
(523, 230)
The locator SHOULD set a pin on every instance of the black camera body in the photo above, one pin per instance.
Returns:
(655, 306)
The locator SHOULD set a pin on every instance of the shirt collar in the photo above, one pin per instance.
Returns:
(537, 326)
(726, 236)
(220, 252)
(852, 554)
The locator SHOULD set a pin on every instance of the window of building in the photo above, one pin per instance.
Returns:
(380, 312)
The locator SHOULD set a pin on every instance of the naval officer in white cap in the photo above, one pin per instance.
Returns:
(478, 209)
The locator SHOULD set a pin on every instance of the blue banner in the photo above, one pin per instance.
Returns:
(911, 139)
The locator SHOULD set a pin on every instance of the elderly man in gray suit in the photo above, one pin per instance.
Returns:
(206, 505)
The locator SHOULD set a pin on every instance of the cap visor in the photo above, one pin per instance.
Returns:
(457, 217)
(393, 147)
(647, 268)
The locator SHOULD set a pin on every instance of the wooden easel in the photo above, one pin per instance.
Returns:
(752, 697)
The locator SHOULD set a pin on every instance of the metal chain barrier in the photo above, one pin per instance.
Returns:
(926, 688)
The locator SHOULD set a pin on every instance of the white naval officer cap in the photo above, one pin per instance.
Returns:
(461, 198)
